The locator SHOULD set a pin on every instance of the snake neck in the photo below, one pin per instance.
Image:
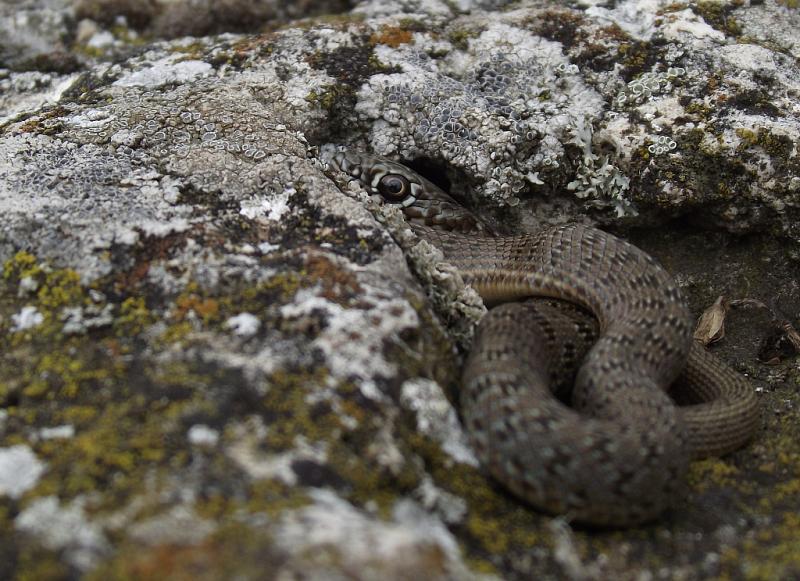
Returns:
(628, 292)
(499, 268)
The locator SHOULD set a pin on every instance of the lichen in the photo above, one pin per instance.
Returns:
(176, 190)
(391, 36)
(718, 14)
(234, 551)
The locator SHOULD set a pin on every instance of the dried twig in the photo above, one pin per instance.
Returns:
(711, 325)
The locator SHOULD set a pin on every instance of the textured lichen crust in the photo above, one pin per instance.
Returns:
(214, 359)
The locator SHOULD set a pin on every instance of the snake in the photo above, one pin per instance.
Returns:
(583, 393)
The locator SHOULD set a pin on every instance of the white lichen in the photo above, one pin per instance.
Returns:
(20, 470)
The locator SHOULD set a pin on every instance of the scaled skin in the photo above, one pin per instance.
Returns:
(620, 459)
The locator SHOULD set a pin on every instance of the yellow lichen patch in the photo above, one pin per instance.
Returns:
(391, 36)
(56, 374)
(787, 491)
(273, 497)
(291, 415)
(369, 480)
(108, 453)
(61, 288)
(177, 332)
(81, 379)
(748, 136)
(52, 288)
(41, 362)
(279, 288)
(773, 553)
(712, 472)
(495, 522)
(47, 122)
(342, 21)
(79, 414)
(133, 318)
(23, 264)
(781, 465)
(192, 50)
(491, 531)
(353, 453)
(35, 562)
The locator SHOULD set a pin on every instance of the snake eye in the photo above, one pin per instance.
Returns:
(394, 188)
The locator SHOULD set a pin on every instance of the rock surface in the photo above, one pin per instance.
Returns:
(213, 359)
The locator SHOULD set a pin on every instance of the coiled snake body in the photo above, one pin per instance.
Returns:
(617, 456)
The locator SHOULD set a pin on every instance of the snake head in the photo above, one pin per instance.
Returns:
(388, 182)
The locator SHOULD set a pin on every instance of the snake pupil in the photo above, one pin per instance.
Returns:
(394, 188)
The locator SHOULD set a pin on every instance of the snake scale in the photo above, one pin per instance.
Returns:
(618, 453)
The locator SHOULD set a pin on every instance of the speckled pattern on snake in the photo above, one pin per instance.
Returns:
(616, 456)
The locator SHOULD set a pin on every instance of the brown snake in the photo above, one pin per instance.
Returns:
(618, 455)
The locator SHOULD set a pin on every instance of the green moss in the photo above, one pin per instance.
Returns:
(328, 95)
(127, 36)
(290, 415)
(36, 563)
(46, 121)
(94, 52)
(22, 265)
(369, 481)
(275, 498)
(787, 490)
(717, 14)
(700, 109)
(635, 56)
(496, 524)
(714, 473)
(193, 50)
(41, 362)
(49, 378)
(772, 553)
(133, 318)
(778, 146)
(746, 135)
(460, 37)
(55, 289)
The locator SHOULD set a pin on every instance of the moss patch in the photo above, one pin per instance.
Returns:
(717, 13)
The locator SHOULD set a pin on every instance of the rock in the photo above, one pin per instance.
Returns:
(34, 36)
(237, 367)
